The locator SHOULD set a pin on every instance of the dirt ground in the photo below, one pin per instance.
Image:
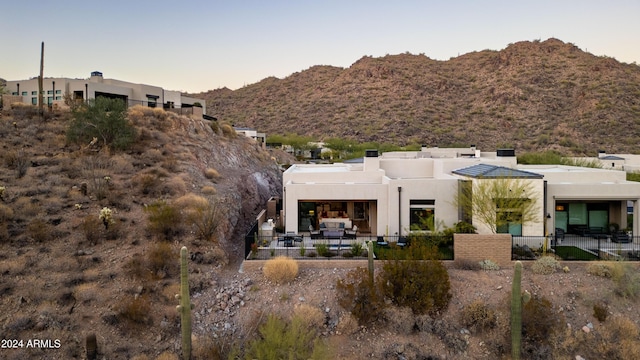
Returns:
(572, 295)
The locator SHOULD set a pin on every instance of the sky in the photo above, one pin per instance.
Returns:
(200, 45)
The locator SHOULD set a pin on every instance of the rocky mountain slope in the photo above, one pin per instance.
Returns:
(531, 95)
(66, 276)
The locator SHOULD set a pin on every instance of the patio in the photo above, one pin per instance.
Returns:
(302, 245)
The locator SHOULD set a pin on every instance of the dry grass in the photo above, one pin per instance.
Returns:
(209, 190)
(211, 174)
(280, 269)
(312, 316)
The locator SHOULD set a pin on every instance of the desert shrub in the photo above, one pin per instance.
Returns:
(148, 183)
(280, 269)
(600, 311)
(626, 278)
(104, 119)
(167, 355)
(323, 250)
(618, 339)
(152, 156)
(86, 292)
(402, 280)
(26, 208)
(215, 127)
(6, 213)
(218, 256)
(135, 310)
(359, 296)
(621, 334)
(96, 170)
(539, 322)
(22, 111)
(478, 316)
(311, 316)
(281, 340)
(545, 265)
(228, 131)
(162, 258)
(164, 220)
(174, 186)
(220, 347)
(400, 320)
(18, 161)
(488, 265)
(136, 267)
(599, 269)
(211, 174)
(356, 249)
(209, 190)
(465, 264)
(39, 230)
(347, 324)
(201, 213)
(91, 227)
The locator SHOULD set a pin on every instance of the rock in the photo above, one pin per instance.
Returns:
(586, 329)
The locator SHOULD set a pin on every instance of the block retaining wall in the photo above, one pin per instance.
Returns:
(475, 247)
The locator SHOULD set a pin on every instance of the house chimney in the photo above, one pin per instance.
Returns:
(371, 160)
(506, 153)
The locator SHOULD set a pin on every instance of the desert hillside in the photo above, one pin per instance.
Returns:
(67, 271)
(531, 95)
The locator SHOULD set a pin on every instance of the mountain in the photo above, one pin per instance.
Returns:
(537, 95)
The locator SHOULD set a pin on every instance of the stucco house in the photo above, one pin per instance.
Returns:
(392, 193)
(55, 90)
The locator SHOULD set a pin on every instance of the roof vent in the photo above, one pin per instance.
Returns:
(371, 153)
(506, 152)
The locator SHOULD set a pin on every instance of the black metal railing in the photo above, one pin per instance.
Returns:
(310, 246)
(578, 247)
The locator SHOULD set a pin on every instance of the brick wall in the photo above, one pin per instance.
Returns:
(475, 247)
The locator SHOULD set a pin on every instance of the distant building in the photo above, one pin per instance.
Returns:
(260, 138)
(56, 89)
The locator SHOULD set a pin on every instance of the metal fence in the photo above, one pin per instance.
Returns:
(576, 247)
(310, 247)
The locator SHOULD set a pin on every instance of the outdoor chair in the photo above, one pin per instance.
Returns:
(315, 234)
(352, 233)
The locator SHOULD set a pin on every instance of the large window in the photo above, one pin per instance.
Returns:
(509, 222)
(421, 214)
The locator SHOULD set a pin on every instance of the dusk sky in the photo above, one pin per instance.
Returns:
(198, 45)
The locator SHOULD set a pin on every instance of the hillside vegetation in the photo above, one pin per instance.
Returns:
(89, 235)
(534, 96)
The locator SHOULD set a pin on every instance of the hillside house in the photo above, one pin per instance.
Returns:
(55, 90)
(389, 194)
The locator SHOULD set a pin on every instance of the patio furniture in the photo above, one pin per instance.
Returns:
(352, 233)
(315, 234)
(620, 237)
(289, 238)
(402, 242)
(382, 242)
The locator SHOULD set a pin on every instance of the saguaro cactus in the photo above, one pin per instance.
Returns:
(185, 305)
(370, 255)
(516, 312)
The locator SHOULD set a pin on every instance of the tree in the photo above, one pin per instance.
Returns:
(104, 119)
(498, 202)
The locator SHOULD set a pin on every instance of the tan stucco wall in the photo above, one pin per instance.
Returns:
(475, 247)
